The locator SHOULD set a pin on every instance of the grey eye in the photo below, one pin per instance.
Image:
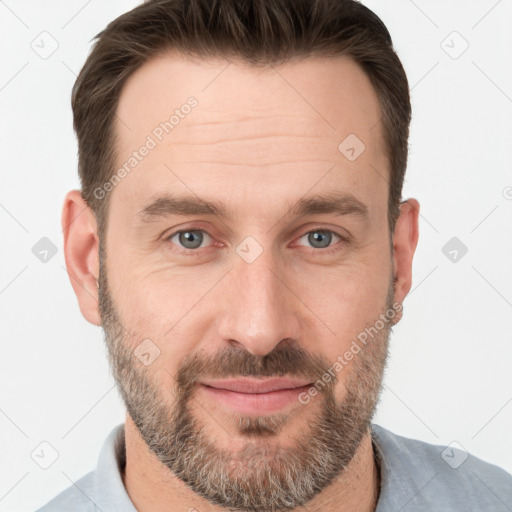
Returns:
(190, 239)
(320, 239)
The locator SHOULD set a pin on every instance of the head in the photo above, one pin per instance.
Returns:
(241, 215)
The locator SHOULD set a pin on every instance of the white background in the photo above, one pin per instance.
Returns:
(450, 372)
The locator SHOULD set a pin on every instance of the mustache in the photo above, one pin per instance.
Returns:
(283, 361)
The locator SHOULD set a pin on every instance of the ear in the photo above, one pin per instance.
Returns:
(81, 251)
(405, 240)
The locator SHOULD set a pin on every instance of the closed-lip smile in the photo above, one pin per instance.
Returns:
(255, 396)
(246, 385)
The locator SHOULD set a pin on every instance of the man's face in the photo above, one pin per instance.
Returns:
(268, 290)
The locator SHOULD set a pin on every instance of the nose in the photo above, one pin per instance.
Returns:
(260, 307)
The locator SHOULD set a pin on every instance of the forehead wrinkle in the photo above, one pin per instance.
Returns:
(258, 165)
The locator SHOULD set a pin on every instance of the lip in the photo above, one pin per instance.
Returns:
(255, 396)
(253, 386)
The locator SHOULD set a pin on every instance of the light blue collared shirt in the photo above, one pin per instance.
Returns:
(415, 477)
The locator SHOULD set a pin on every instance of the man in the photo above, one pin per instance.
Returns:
(240, 237)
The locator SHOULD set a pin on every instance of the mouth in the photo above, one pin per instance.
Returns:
(255, 396)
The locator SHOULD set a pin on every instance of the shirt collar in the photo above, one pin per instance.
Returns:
(109, 488)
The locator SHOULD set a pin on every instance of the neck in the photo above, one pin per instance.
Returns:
(152, 487)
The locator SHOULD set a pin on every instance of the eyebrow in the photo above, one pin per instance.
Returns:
(330, 203)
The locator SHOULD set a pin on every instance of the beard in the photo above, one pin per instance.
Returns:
(260, 475)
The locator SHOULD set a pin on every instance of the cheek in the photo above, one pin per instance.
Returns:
(170, 311)
(347, 297)
(345, 302)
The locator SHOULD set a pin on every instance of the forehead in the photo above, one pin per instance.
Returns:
(258, 129)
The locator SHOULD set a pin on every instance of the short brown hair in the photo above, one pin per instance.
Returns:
(260, 32)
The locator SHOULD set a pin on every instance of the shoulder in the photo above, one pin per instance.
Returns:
(101, 489)
(419, 476)
(79, 496)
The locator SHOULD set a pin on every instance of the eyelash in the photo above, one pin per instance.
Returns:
(196, 252)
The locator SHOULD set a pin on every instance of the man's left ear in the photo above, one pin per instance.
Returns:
(405, 240)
